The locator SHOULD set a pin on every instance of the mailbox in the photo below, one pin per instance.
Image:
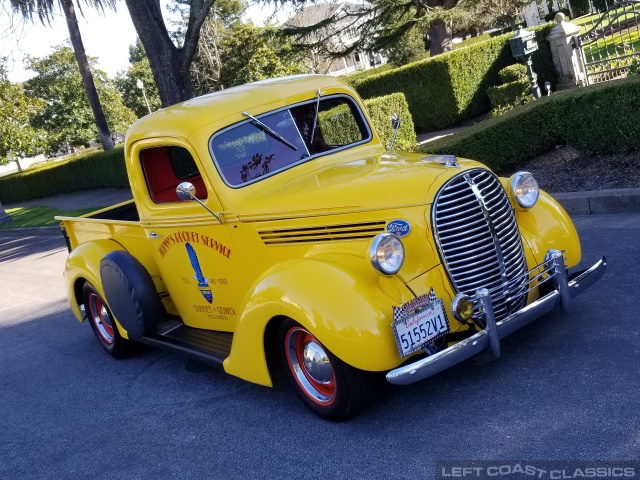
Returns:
(523, 43)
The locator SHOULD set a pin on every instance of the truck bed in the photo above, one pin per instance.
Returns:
(125, 211)
(120, 223)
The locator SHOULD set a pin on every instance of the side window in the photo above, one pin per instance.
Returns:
(275, 141)
(339, 123)
(167, 166)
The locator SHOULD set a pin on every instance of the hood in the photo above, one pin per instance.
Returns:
(384, 181)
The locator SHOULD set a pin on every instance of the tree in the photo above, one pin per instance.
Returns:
(382, 24)
(17, 137)
(486, 12)
(44, 10)
(67, 116)
(126, 83)
(169, 63)
(253, 53)
(206, 67)
(409, 48)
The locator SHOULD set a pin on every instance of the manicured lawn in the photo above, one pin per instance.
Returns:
(39, 216)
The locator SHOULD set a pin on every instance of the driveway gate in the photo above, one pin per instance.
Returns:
(613, 43)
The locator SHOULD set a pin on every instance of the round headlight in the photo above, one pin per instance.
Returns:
(524, 189)
(386, 253)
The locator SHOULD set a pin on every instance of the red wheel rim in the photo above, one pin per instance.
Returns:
(100, 317)
(310, 366)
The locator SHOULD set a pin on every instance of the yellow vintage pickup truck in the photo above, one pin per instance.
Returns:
(270, 228)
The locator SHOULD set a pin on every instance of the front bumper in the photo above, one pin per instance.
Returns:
(489, 338)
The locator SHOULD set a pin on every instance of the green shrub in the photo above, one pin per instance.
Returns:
(509, 94)
(354, 78)
(444, 90)
(380, 110)
(513, 73)
(603, 118)
(95, 170)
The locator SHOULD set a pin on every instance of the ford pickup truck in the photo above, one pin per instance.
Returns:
(271, 228)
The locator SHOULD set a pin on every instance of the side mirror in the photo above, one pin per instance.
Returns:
(186, 191)
(395, 123)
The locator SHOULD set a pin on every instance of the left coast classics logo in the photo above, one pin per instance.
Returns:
(203, 283)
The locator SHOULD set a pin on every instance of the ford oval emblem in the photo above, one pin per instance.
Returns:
(399, 228)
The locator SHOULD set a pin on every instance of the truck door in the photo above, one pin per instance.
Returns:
(193, 251)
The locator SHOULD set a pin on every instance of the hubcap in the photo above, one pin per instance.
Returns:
(311, 366)
(100, 318)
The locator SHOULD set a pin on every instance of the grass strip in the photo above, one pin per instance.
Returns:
(39, 216)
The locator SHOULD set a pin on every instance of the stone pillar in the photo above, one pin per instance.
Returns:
(567, 56)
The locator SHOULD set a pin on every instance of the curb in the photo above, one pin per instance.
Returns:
(626, 200)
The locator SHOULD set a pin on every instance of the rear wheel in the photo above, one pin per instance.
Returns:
(103, 325)
(328, 386)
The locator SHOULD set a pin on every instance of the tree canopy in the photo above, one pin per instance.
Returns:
(127, 83)
(66, 115)
(17, 137)
(44, 10)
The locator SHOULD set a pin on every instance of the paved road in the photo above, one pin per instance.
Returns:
(565, 388)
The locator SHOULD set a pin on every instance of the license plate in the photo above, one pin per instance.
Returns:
(419, 322)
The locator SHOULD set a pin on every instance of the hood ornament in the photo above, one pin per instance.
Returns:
(448, 161)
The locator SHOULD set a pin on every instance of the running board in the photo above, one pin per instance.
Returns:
(205, 346)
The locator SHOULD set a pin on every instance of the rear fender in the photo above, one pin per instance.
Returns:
(83, 265)
(349, 314)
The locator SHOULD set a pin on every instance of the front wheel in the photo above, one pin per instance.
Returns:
(103, 325)
(328, 386)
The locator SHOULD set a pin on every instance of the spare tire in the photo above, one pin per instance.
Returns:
(130, 293)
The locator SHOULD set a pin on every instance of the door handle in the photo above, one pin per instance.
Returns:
(154, 235)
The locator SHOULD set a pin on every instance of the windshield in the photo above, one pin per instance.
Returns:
(270, 143)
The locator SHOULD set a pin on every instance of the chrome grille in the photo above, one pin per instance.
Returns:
(479, 241)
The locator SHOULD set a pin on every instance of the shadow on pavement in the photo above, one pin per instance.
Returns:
(13, 248)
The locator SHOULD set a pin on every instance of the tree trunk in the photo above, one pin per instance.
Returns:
(170, 65)
(4, 217)
(85, 72)
(440, 34)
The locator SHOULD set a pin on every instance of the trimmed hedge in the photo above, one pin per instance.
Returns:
(380, 110)
(353, 78)
(107, 169)
(513, 73)
(508, 94)
(603, 118)
(444, 90)
(94, 170)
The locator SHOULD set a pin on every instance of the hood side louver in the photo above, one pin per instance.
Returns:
(327, 233)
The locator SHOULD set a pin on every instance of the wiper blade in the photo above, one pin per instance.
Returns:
(315, 119)
(271, 131)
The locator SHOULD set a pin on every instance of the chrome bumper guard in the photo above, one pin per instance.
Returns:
(554, 270)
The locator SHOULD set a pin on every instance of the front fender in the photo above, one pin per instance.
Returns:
(350, 314)
(82, 265)
(548, 226)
